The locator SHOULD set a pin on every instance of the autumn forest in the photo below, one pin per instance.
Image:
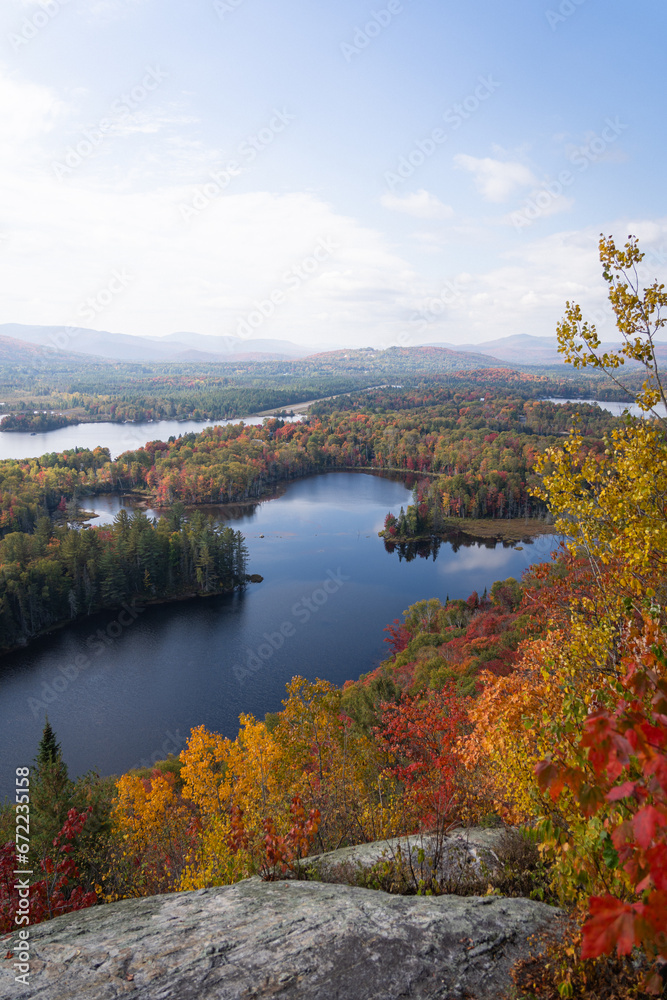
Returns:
(539, 703)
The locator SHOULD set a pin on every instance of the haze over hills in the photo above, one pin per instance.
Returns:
(360, 360)
(198, 348)
(14, 351)
(23, 344)
(524, 349)
(172, 347)
(397, 359)
(521, 348)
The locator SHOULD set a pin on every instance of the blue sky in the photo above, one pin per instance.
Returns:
(344, 174)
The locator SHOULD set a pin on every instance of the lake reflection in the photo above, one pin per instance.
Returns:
(141, 686)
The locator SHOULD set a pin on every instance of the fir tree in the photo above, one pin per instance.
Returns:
(49, 750)
(50, 791)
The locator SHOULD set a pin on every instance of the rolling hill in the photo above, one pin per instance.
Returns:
(173, 347)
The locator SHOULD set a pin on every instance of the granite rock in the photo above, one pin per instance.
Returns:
(289, 939)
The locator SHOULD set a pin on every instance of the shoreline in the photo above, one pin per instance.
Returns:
(125, 608)
(504, 529)
(513, 529)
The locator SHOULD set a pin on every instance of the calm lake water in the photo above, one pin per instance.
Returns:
(117, 437)
(126, 437)
(618, 409)
(122, 690)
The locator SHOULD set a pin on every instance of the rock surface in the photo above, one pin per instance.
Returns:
(463, 855)
(293, 940)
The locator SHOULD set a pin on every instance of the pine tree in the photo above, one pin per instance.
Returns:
(49, 750)
(50, 792)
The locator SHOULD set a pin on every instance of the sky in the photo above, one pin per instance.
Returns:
(335, 174)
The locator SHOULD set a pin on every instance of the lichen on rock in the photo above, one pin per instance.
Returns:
(290, 939)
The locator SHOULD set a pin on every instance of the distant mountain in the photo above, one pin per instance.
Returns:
(200, 357)
(16, 352)
(524, 349)
(233, 345)
(519, 349)
(74, 344)
(173, 347)
(428, 358)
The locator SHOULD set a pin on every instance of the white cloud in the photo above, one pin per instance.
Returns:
(61, 241)
(421, 204)
(539, 204)
(496, 179)
(28, 112)
(527, 292)
(123, 211)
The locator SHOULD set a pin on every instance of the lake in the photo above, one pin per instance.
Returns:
(116, 437)
(611, 406)
(123, 690)
(127, 437)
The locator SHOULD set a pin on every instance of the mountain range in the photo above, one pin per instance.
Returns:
(173, 347)
(524, 349)
(28, 344)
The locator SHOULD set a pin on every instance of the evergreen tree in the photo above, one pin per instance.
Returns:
(50, 792)
(48, 751)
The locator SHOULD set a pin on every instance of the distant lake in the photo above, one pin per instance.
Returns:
(611, 406)
(141, 685)
(127, 437)
(114, 436)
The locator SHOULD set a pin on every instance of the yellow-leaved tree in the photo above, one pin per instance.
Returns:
(529, 727)
(615, 509)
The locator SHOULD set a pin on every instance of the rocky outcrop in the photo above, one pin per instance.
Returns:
(294, 940)
(465, 858)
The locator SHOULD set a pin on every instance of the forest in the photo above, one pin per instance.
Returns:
(57, 573)
(477, 445)
(91, 389)
(541, 705)
(34, 423)
(469, 457)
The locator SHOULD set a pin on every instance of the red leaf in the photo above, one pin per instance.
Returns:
(645, 823)
(590, 799)
(611, 922)
(657, 861)
(549, 777)
(623, 791)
